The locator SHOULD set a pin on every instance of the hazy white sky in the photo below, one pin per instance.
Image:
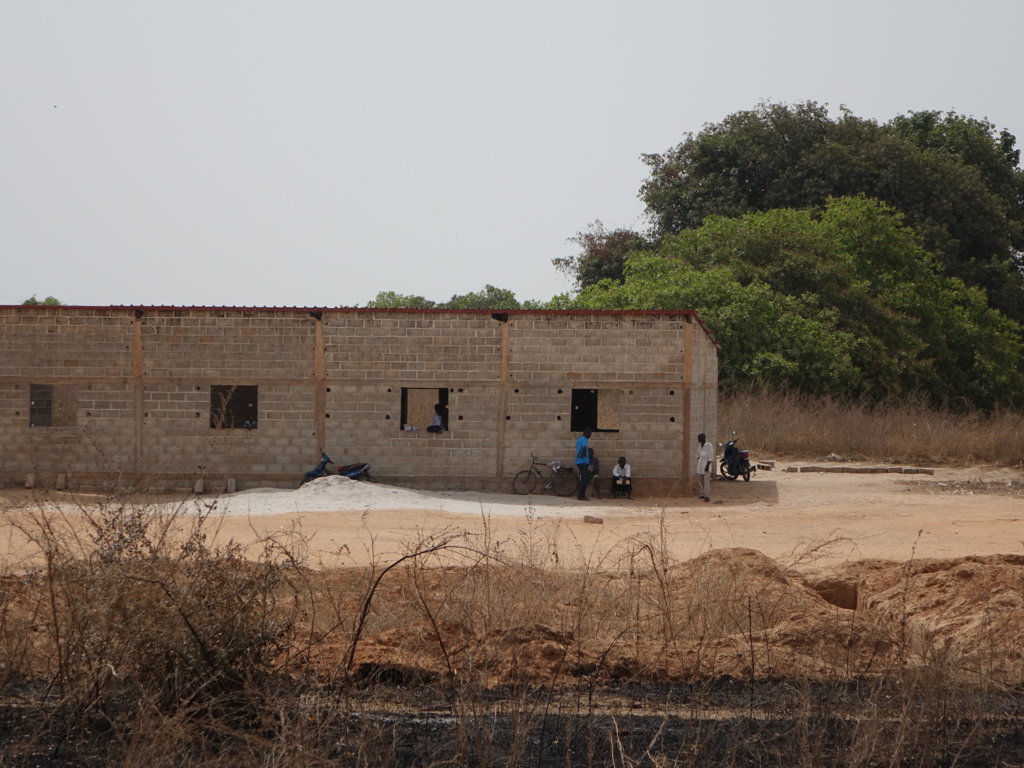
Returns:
(306, 153)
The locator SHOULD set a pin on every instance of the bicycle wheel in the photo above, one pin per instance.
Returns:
(565, 482)
(525, 482)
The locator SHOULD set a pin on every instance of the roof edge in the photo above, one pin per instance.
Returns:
(695, 314)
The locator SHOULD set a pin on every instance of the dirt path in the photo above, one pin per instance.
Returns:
(827, 518)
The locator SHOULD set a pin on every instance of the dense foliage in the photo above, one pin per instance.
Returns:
(834, 256)
(489, 298)
(842, 301)
(957, 182)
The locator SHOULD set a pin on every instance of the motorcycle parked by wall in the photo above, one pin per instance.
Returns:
(735, 462)
(357, 471)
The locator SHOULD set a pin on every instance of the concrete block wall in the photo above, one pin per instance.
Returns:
(637, 357)
(371, 357)
(86, 358)
(370, 430)
(412, 348)
(177, 438)
(704, 394)
(332, 380)
(227, 346)
(55, 344)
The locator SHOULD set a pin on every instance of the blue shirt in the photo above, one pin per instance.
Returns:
(582, 454)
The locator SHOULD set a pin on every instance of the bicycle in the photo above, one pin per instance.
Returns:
(561, 480)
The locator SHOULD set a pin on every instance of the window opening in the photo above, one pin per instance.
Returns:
(234, 406)
(52, 405)
(596, 409)
(40, 406)
(419, 406)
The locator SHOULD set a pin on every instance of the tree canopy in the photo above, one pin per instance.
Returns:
(602, 254)
(834, 254)
(954, 178)
(488, 298)
(48, 301)
(843, 300)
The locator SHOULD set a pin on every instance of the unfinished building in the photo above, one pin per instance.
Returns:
(226, 398)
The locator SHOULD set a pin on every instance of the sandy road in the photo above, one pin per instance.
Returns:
(796, 518)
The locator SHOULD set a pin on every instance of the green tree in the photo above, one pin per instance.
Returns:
(489, 298)
(392, 300)
(766, 337)
(48, 301)
(955, 181)
(602, 254)
(975, 143)
(844, 300)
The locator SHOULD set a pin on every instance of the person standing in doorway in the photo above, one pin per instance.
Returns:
(583, 462)
(705, 458)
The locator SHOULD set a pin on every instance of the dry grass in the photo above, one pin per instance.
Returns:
(142, 646)
(899, 431)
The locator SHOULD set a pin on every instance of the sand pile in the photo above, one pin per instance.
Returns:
(732, 612)
(336, 493)
(968, 612)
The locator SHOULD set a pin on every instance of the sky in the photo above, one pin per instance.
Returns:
(314, 153)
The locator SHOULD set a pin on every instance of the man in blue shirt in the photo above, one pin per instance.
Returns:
(583, 462)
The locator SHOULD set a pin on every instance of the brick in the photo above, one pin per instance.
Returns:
(366, 354)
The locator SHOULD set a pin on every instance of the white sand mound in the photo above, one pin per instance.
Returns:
(336, 493)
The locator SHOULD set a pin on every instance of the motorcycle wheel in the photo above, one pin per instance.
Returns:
(746, 475)
(565, 482)
(525, 482)
(724, 469)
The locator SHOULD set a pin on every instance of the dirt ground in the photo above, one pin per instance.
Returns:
(841, 572)
(795, 518)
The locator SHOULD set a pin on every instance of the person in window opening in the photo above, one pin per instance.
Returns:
(437, 423)
(583, 462)
(622, 478)
(705, 458)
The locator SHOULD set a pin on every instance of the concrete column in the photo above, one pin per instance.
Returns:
(688, 389)
(320, 384)
(138, 399)
(503, 385)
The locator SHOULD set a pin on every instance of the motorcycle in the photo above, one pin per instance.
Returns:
(735, 462)
(357, 471)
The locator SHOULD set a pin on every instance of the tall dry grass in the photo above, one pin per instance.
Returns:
(899, 431)
(139, 644)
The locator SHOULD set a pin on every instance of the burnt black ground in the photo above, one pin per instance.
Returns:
(713, 723)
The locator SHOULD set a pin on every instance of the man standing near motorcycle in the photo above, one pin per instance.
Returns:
(705, 458)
